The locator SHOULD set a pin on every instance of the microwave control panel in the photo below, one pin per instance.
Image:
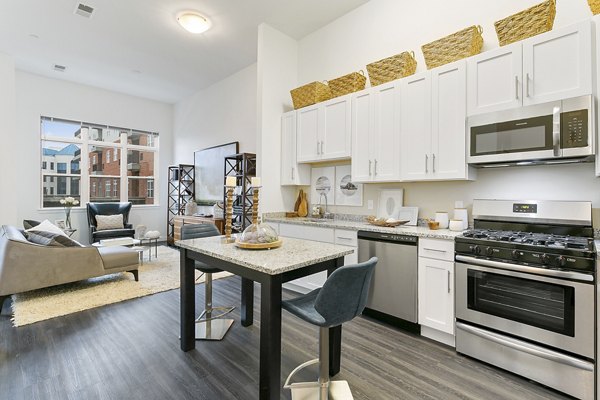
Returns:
(574, 129)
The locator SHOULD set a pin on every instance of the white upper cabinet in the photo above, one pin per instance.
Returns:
(291, 172)
(432, 125)
(309, 124)
(363, 127)
(558, 64)
(448, 112)
(548, 67)
(415, 127)
(376, 134)
(336, 138)
(495, 79)
(324, 131)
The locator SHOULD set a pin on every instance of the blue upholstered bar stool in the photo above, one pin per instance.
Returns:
(342, 297)
(208, 325)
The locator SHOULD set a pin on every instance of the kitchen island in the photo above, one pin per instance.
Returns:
(271, 268)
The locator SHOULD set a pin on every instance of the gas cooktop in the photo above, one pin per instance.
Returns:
(532, 239)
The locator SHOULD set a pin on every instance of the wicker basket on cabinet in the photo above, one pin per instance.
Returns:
(309, 94)
(391, 68)
(349, 83)
(459, 45)
(527, 23)
(594, 6)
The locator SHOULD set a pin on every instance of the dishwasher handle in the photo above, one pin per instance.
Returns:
(394, 238)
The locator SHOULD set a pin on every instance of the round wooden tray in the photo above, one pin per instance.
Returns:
(259, 246)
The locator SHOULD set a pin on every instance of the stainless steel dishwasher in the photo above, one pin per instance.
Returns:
(394, 285)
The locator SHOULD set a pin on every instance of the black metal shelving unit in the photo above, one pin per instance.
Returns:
(180, 192)
(243, 167)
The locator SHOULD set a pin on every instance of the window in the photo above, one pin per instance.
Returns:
(88, 163)
(150, 189)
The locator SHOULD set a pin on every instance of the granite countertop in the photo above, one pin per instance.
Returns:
(419, 231)
(293, 253)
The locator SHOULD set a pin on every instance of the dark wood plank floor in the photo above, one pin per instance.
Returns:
(130, 350)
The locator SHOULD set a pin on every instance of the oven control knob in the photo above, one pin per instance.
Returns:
(545, 259)
(489, 251)
(475, 249)
(561, 261)
(515, 254)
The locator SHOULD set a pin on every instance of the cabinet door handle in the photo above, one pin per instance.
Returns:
(438, 250)
(433, 162)
(448, 281)
(426, 162)
(375, 166)
(318, 151)
(322, 147)
(516, 87)
(292, 173)
(527, 83)
(369, 167)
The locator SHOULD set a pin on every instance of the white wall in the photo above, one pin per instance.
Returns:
(8, 181)
(37, 96)
(277, 73)
(222, 113)
(381, 28)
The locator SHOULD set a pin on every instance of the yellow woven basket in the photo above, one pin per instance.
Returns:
(395, 67)
(594, 6)
(457, 46)
(527, 23)
(310, 94)
(347, 84)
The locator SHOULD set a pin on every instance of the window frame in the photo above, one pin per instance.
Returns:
(85, 177)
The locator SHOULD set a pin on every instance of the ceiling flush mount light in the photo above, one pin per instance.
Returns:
(193, 21)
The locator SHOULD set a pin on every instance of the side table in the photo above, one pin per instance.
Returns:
(150, 242)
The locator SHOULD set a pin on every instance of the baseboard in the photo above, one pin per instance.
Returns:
(438, 336)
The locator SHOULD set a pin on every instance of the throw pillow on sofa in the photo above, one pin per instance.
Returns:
(47, 226)
(30, 223)
(106, 222)
(51, 239)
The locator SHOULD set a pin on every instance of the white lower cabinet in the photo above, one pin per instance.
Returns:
(341, 237)
(436, 289)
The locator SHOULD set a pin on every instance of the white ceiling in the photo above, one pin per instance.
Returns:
(137, 46)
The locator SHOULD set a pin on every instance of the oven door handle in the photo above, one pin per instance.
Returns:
(556, 128)
(527, 348)
(576, 276)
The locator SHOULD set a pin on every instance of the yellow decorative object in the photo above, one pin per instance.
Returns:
(459, 45)
(347, 84)
(303, 207)
(533, 21)
(391, 68)
(310, 94)
(594, 6)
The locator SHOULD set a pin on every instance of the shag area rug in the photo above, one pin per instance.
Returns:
(159, 275)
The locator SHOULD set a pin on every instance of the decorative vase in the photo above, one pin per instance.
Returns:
(68, 217)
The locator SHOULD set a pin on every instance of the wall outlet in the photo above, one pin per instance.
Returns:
(370, 204)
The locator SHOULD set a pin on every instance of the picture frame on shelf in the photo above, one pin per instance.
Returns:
(322, 186)
(347, 193)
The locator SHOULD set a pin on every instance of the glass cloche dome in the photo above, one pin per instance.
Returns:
(258, 234)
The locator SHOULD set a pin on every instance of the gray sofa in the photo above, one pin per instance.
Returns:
(27, 266)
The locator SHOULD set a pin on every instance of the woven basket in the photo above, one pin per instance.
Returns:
(310, 94)
(533, 21)
(459, 45)
(594, 6)
(395, 67)
(347, 84)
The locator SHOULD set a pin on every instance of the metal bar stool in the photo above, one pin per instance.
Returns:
(208, 325)
(342, 297)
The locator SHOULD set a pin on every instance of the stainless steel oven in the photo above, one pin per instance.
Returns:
(551, 132)
(525, 291)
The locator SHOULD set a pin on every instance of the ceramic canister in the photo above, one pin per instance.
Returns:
(442, 218)
(461, 213)
(456, 225)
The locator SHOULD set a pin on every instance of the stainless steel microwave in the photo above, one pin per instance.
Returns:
(555, 132)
